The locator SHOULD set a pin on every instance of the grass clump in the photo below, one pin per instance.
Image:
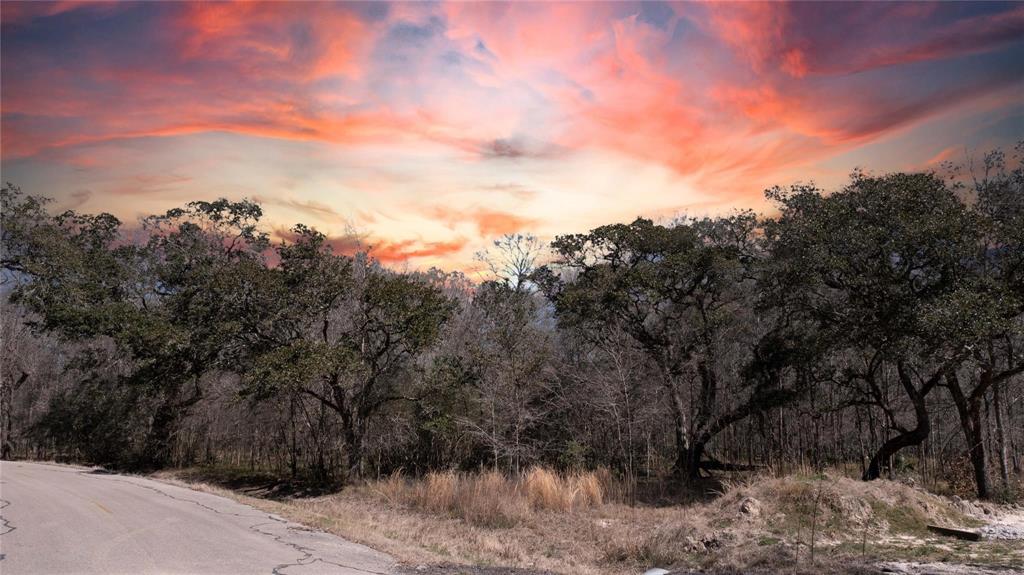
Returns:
(546, 490)
(487, 499)
(491, 499)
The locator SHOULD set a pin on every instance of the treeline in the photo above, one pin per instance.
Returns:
(880, 327)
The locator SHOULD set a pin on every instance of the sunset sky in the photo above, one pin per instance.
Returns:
(432, 127)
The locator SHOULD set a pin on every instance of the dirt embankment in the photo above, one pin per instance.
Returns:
(881, 525)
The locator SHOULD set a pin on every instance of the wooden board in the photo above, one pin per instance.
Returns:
(954, 532)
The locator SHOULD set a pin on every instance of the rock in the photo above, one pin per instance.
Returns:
(710, 542)
(692, 545)
(912, 568)
(1004, 532)
(705, 544)
(750, 507)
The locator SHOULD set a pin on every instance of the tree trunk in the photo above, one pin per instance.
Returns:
(157, 450)
(976, 448)
(353, 447)
(6, 405)
(693, 460)
(682, 464)
(1004, 471)
(5, 416)
(895, 444)
(907, 438)
(969, 410)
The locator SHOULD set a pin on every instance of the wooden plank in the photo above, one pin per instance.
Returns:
(954, 532)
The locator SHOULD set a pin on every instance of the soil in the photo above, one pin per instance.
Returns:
(907, 568)
(451, 569)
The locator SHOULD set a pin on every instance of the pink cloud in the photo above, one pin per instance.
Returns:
(969, 36)
(803, 39)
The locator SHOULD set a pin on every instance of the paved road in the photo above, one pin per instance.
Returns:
(58, 519)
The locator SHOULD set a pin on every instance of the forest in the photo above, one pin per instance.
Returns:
(878, 327)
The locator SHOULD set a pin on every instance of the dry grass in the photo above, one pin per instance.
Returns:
(490, 499)
(547, 490)
(486, 499)
(575, 524)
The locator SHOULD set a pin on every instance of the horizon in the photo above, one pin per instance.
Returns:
(434, 128)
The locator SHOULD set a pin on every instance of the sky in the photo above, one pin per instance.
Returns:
(432, 128)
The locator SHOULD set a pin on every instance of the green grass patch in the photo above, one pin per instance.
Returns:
(900, 519)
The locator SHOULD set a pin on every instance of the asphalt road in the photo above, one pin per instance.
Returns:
(57, 519)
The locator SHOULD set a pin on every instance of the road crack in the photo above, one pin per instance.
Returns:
(307, 553)
(4, 522)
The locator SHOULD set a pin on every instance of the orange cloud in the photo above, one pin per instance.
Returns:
(385, 251)
(945, 155)
(279, 121)
(489, 223)
(401, 251)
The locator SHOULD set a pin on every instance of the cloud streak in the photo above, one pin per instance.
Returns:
(385, 251)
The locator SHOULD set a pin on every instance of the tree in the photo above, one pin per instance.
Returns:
(204, 261)
(513, 260)
(818, 336)
(171, 304)
(20, 356)
(510, 355)
(610, 409)
(676, 291)
(865, 268)
(345, 334)
(985, 314)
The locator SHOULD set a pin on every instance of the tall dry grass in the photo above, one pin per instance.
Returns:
(547, 490)
(492, 499)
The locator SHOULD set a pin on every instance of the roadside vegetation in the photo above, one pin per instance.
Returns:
(585, 523)
(624, 375)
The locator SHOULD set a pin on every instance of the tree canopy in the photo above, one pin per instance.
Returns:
(833, 330)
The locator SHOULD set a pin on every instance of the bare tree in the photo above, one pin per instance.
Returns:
(512, 259)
